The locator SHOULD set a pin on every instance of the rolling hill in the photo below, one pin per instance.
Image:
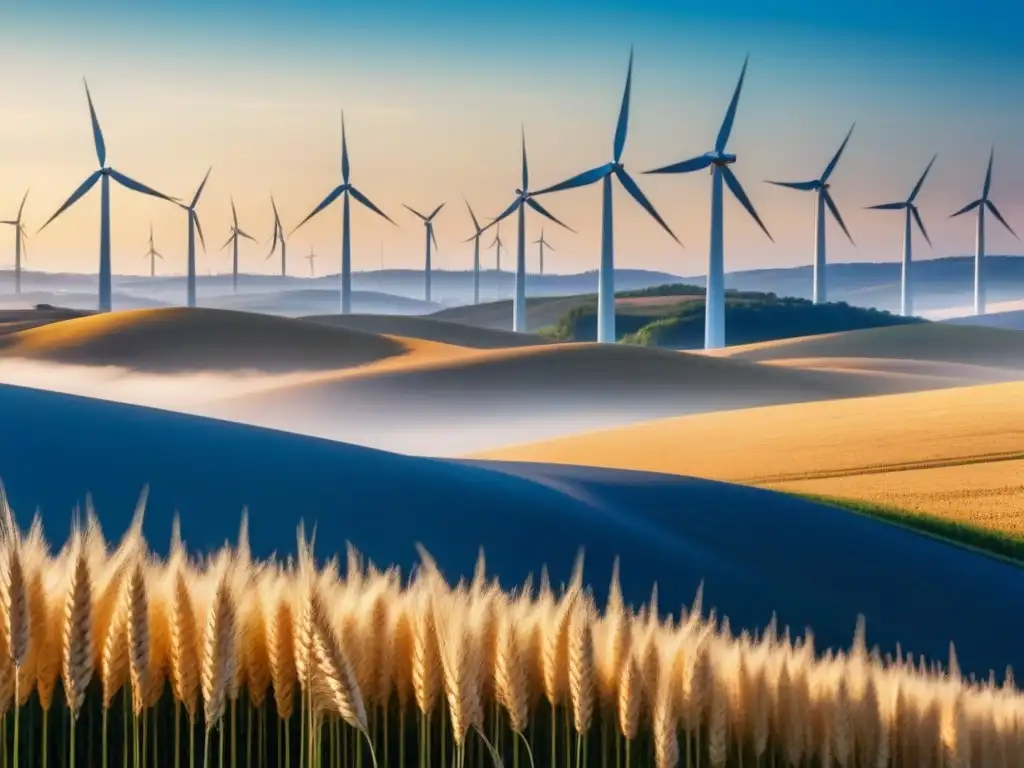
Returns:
(756, 552)
(432, 329)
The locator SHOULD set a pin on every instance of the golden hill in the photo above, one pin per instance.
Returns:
(956, 452)
(432, 329)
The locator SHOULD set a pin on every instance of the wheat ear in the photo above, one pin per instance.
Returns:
(78, 651)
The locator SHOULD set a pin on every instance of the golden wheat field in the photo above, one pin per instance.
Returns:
(113, 656)
(892, 449)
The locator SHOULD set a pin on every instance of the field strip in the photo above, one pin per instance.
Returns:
(878, 469)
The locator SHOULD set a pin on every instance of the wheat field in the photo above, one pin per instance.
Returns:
(112, 656)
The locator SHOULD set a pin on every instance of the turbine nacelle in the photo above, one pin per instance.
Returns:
(721, 158)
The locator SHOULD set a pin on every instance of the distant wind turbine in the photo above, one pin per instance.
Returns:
(20, 242)
(428, 224)
(476, 253)
(498, 247)
(311, 258)
(719, 161)
(152, 254)
(604, 174)
(979, 252)
(523, 198)
(908, 205)
(278, 238)
(103, 175)
(347, 190)
(193, 227)
(820, 187)
(543, 244)
(233, 240)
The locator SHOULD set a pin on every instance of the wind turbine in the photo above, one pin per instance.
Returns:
(428, 224)
(979, 252)
(20, 242)
(311, 258)
(908, 205)
(718, 160)
(543, 244)
(345, 189)
(820, 187)
(233, 239)
(193, 227)
(604, 174)
(278, 238)
(476, 253)
(152, 254)
(104, 174)
(523, 198)
(498, 246)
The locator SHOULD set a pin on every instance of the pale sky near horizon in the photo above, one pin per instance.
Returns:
(434, 101)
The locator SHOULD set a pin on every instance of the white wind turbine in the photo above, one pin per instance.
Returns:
(104, 174)
(233, 239)
(347, 190)
(152, 254)
(543, 244)
(910, 208)
(604, 174)
(820, 187)
(20, 242)
(476, 253)
(428, 225)
(718, 160)
(979, 252)
(278, 238)
(193, 227)
(523, 198)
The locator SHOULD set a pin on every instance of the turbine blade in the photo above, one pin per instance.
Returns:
(234, 214)
(734, 186)
(580, 180)
(416, 212)
(366, 202)
(544, 212)
(504, 214)
(277, 217)
(13, 223)
(526, 171)
(199, 228)
(995, 212)
(75, 196)
(97, 133)
(334, 195)
(803, 186)
(273, 246)
(431, 216)
(730, 115)
(158, 255)
(623, 123)
(887, 207)
(246, 235)
(228, 242)
(22, 206)
(835, 213)
(920, 224)
(685, 166)
(136, 186)
(631, 186)
(430, 228)
(835, 160)
(920, 182)
(966, 208)
(476, 224)
(199, 191)
(988, 175)
(344, 151)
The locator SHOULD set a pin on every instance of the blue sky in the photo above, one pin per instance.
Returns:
(435, 95)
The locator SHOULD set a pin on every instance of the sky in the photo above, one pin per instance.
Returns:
(435, 97)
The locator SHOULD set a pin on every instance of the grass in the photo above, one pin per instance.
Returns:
(1005, 546)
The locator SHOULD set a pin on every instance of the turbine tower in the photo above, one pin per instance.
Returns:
(428, 224)
(476, 253)
(820, 187)
(152, 254)
(908, 205)
(233, 239)
(278, 238)
(979, 252)
(718, 160)
(104, 174)
(311, 258)
(20, 242)
(193, 227)
(346, 190)
(543, 244)
(523, 198)
(604, 174)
